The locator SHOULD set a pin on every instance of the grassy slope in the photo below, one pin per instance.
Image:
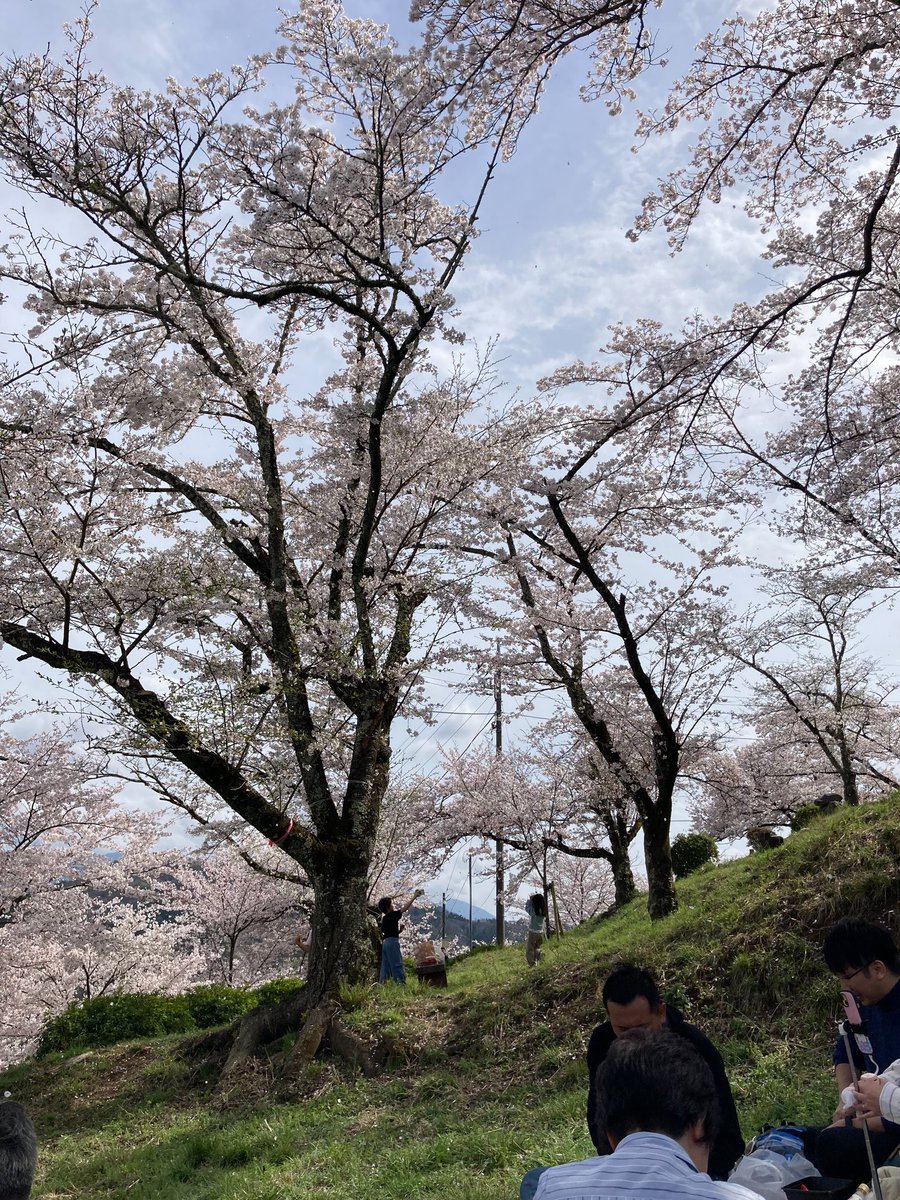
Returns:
(490, 1078)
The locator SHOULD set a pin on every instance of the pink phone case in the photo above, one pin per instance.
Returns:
(851, 1008)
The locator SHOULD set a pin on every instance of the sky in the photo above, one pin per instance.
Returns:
(552, 267)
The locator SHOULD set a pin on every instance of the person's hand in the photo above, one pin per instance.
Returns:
(868, 1096)
(840, 1114)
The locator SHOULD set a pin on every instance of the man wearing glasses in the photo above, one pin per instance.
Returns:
(866, 962)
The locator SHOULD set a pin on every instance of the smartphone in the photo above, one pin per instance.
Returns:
(856, 1026)
(851, 1009)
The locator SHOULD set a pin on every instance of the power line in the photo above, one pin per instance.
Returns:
(463, 751)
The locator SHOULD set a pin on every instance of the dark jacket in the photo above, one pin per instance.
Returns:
(729, 1144)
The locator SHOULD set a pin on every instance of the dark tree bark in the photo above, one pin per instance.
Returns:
(661, 899)
(623, 877)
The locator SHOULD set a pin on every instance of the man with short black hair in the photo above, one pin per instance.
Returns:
(865, 959)
(18, 1152)
(657, 1106)
(633, 1002)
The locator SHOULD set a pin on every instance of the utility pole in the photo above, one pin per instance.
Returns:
(470, 899)
(557, 923)
(500, 876)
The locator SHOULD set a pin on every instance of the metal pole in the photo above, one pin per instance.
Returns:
(470, 901)
(443, 919)
(500, 874)
(876, 1182)
(557, 924)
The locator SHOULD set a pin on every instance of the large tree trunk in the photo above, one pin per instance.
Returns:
(623, 875)
(341, 947)
(849, 784)
(658, 859)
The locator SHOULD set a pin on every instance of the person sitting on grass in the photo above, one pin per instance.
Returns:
(865, 959)
(391, 957)
(632, 1001)
(18, 1151)
(657, 1107)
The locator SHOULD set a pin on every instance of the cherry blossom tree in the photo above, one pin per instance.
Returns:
(764, 781)
(825, 716)
(792, 111)
(81, 889)
(75, 946)
(608, 547)
(792, 107)
(55, 819)
(92, 902)
(244, 922)
(548, 798)
(236, 562)
(584, 887)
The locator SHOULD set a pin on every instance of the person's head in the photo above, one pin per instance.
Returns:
(654, 1081)
(385, 904)
(632, 1000)
(864, 957)
(538, 904)
(18, 1151)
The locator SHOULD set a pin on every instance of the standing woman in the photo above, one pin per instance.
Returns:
(391, 958)
(537, 912)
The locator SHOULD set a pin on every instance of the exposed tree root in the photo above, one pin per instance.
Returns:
(306, 1047)
(224, 1051)
(262, 1026)
(352, 1049)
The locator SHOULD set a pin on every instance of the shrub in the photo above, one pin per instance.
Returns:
(805, 815)
(217, 1004)
(274, 991)
(691, 851)
(118, 1018)
(763, 838)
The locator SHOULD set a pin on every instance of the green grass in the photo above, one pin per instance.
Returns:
(488, 1077)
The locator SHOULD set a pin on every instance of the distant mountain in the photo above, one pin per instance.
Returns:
(461, 907)
(457, 925)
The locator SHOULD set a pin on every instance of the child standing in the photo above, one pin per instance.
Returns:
(536, 907)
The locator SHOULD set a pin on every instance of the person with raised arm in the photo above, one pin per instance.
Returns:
(391, 956)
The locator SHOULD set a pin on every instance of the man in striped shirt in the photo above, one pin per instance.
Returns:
(656, 1102)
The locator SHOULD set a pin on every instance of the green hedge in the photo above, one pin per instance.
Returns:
(691, 851)
(108, 1019)
(217, 1004)
(124, 1016)
(275, 991)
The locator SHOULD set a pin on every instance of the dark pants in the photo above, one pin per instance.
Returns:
(840, 1151)
(391, 961)
(529, 1183)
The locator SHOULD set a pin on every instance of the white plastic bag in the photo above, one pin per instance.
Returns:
(759, 1175)
(768, 1172)
(791, 1166)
